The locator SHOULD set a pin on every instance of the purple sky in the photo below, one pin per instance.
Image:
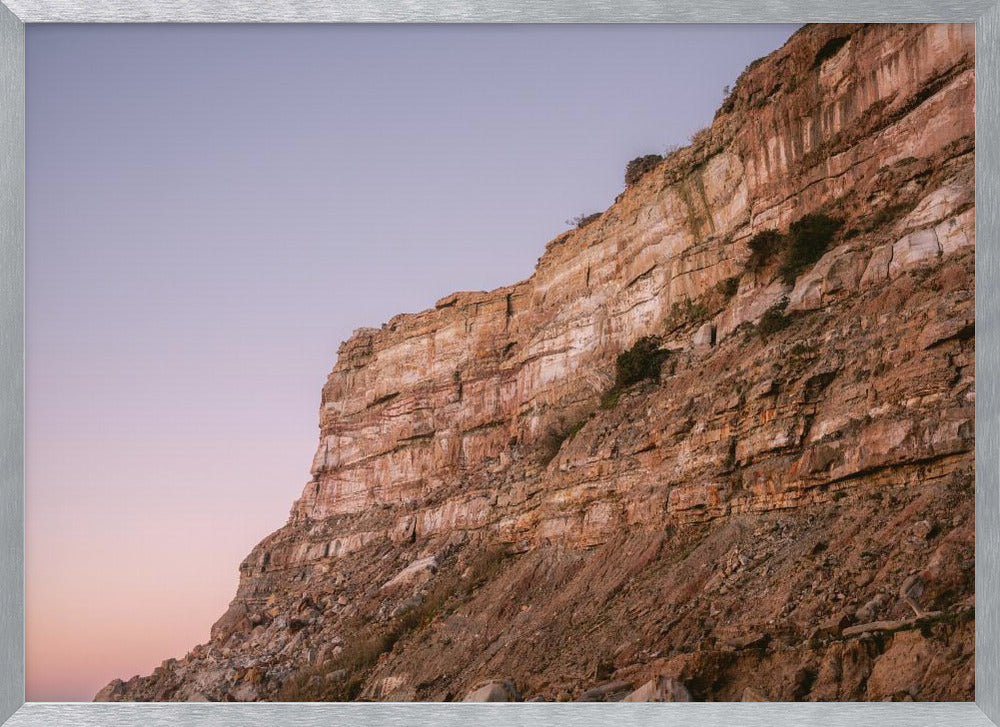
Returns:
(212, 209)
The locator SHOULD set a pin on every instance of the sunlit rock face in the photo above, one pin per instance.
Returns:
(807, 446)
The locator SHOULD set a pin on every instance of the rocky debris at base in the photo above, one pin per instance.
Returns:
(660, 689)
(482, 500)
(613, 691)
(501, 691)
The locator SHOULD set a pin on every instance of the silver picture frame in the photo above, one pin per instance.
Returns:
(14, 14)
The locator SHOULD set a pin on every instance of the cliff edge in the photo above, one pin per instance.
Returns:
(778, 505)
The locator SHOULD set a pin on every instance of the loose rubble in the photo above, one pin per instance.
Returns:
(784, 513)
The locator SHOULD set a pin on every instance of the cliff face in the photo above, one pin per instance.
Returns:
(786, 512)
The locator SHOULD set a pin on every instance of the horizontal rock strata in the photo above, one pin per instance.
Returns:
(482, 512)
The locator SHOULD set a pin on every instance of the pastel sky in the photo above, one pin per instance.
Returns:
(211, 210)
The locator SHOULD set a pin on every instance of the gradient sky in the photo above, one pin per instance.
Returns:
(211, 210)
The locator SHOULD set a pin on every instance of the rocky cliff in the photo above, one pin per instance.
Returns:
(784, 511)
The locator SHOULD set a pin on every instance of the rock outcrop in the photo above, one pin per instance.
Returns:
(479, 508)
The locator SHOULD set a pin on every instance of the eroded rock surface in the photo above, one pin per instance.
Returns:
(719, 532)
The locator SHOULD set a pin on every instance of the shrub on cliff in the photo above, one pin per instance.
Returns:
(762, 246)
(637, 168)
(583, 220)
(774, 319)
(727, 288)
(885, 216)
(829, 50)
(686, 313)
(810, 236)
(807, 239)
(641, 362)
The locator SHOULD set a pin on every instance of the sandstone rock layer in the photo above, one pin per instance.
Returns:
(476, 514)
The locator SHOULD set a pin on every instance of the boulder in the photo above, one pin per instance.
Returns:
(404, 529)
(705, 335)
(660, 689)
(956, 232)
(609, 692)
(418, 571)
(939, 204)
(496, 691)
(869, 610)
(878, 266)
(749, 308)
(912, 249)
(944, 329)
(833, 626)
(752, 640)
(839, 270)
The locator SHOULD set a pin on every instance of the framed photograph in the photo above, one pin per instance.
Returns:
(643, 338)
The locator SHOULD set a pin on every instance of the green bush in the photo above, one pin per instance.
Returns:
(610, 398)
(807, 239)
(728, 287)
(762, 246)
(641, 362)
(886, 215)
(686, 313)
(829, 50)
(774, 319)
(583, 220)
(637, 168)
(810, 236)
